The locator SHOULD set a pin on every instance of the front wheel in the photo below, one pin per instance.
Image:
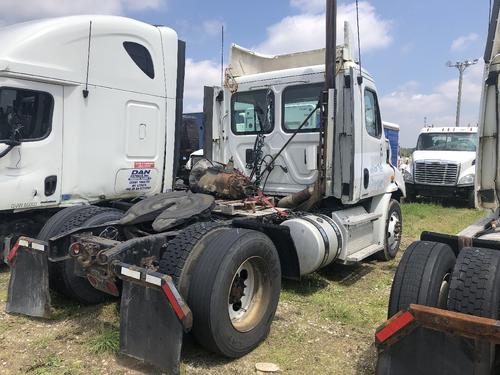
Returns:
(393, 231)
(234, 292)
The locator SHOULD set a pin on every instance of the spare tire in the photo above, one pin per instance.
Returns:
(234, 292)
(422, 276)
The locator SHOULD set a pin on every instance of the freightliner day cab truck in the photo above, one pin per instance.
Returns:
(92, 104)
(445, 297)
(443, 164)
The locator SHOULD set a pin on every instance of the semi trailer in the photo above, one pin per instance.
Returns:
(294, 189)
(445, 298)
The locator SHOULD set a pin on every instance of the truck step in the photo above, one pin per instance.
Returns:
(364, 253)
(353, 221)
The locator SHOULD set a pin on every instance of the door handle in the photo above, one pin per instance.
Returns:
(50, 185)
(366, 178)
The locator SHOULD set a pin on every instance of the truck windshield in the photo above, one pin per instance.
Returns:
(25, 115)
(447, 141)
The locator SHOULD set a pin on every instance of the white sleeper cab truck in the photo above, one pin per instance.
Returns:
(88, 106)
(296, 175)
(444, 315)
(443, 164)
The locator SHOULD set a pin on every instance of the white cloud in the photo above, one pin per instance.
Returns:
(461, 43)
(408, 105)
(16, 11)
(306, 31)
(199, 74)
(213, 27)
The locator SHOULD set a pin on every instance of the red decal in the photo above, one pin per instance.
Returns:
(394, 326)
(173, 302)
(144, 164)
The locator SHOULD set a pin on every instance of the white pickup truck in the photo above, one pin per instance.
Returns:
(443, 164)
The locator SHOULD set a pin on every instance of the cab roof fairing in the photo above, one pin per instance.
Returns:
(56, 49)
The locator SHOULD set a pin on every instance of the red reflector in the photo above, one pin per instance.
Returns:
(12, 252)
(173, 301)
(394, 326)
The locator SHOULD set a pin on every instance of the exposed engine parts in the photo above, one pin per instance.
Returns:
(223, 181)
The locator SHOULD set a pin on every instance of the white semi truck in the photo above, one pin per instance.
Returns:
(443, 164)
(444, 315)
(278, 197)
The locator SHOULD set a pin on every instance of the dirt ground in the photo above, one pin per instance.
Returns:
(324, 324)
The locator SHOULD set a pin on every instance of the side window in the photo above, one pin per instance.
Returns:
(372, 114)
(141, 56)
(25, 115)
(298, 103)
(252, 112)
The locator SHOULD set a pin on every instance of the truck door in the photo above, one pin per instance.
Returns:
(30, 174)
(373, 144)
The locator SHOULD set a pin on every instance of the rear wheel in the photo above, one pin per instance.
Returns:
(422, 277)
(475, 290)
(182, 253)
(234, 292)
(62, 275)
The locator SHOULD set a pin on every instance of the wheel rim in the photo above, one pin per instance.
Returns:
(394, 231)
(249, 294)
(443, 291)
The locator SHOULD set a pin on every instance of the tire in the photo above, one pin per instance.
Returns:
(393, 230)
(471, 199)
(231, 259)
(475, 290)
(182, 253)
(422, 276)
(411, 196)
(62, 276)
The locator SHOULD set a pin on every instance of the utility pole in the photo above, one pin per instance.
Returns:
(461, 66)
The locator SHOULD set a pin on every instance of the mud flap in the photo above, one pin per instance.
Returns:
(425, 351)
(28, 292)
(153, 318)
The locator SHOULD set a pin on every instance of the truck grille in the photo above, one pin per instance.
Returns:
(436, 173)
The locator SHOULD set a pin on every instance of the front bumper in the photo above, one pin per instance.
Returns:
(439, 191)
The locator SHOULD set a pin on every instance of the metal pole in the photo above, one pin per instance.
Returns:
(461, 70)
(461, 66)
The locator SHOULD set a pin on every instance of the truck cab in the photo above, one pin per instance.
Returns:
(74, 129)
(443, 163)
(271, 96)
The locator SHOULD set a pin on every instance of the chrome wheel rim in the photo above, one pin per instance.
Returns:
(394, 231)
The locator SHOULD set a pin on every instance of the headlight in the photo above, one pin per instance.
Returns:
(407, 176)
(466, 180)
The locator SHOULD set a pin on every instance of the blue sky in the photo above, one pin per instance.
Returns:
(405, 45)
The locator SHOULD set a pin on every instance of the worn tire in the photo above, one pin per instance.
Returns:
(182, 253)
(475, 290)
(212, 283)
(422, 276)
(390, 252)
(62, 277)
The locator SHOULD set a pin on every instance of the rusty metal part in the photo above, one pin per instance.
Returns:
(294, 200)
(463, 325)
(221, 181)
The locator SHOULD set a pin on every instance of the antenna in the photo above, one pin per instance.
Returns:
(360, 78)
(86, 91)
(222, 57)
